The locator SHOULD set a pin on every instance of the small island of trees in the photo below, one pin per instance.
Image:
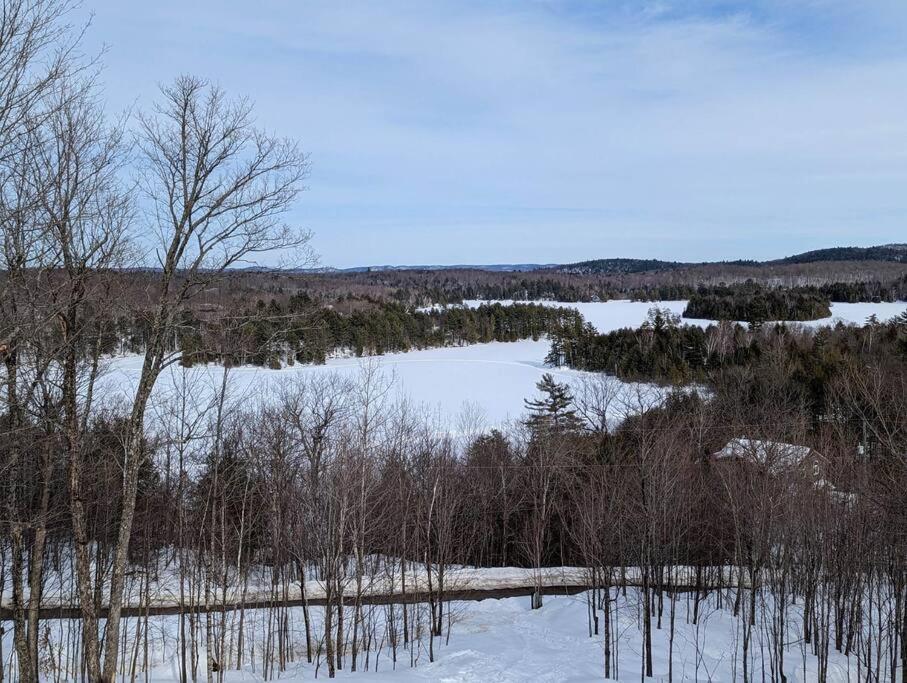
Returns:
(756, 304)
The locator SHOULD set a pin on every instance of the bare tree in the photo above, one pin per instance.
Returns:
(88, 215)
(217, 191)
(62, 218)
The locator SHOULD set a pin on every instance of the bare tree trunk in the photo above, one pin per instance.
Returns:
(27, 668)
(36, 562)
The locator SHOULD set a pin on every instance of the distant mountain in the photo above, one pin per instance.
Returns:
(884, 252)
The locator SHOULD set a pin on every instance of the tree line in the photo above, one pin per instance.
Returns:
(304, 331)
(273, 335)
(665, 351)
(837, 282)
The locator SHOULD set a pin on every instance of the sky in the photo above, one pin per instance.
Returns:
(553, 131)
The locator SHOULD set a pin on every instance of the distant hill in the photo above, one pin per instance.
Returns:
(886, 252)
(624, 266)
(491, 268)
(895, 253)
(618, 266)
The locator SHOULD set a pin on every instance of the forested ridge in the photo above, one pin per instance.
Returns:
(307, 325)
(839, 282)
(290, 327)
(882, 252)
(423, 288)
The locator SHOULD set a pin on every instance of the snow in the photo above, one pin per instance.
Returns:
(499, 640)
(858, 313)
(607, 316)
(483, 384)
(776, 455)
(452, 384)
(164, 583)
(503, 640)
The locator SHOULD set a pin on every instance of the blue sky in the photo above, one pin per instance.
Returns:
(458, 131)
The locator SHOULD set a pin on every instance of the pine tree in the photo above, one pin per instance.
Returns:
(552, 412)
(556, 356)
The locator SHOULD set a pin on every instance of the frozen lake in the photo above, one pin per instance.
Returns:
(485, 382)
(608, 316)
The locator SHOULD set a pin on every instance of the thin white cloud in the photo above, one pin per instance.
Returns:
(435, 124)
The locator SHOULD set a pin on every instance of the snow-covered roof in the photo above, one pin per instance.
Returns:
(776, 456)
(779, 458)
(842, 497)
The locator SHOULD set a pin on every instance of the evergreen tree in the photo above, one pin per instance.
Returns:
(661, 318)
(556, 356)
(553, 412)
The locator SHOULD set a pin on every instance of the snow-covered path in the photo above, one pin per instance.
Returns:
(506, 641)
